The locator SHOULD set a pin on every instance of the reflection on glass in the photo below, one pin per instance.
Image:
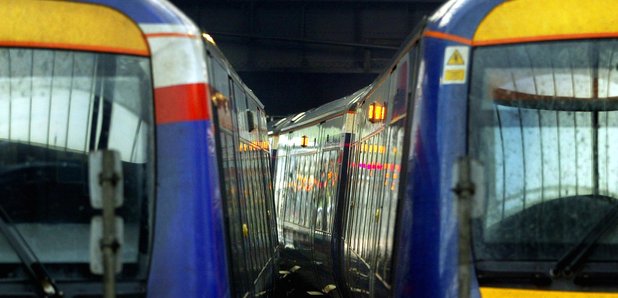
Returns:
(55, 107)
(543, 118)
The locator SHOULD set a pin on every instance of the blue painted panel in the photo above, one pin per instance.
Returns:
(429, 244)
(426, 233)
(146, 11)
(451, 144)
(189, 254)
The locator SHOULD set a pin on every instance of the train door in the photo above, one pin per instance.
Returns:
(248, 192)
(226, 145)
(265, 178)
(330, 167)
(391, 159)
(366, 198)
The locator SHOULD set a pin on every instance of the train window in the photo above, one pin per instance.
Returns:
(354, 197)
(221, 85)
(262, 221)
(331, 188)
(292, 186)
(235, 221)
(390, 206)
(241, 107)
(351, 189)
(300, 189)
(310, 189)
(365, 196)
(360, 195)
(281, 186)
(247, 199)
(258, 196)
(319, 207)
(380, 192)
(253, 196)
(55, 107)
(547, 146)
(296, 185)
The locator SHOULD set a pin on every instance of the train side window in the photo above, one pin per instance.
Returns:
(221, 86)
(290, 182)
(376, 191)
(393, 207)
(263, 220)
(311, 189)
(308, 203)
(254, 193)
(385, 198)
(281, 189)
(304, 193)
(331, 190)
(353, 195)
(299, 189)
(240, 101)
(319, 207)
(360, 184)
(354, 188)
(371, 190)
(362, 206)
(297, 184)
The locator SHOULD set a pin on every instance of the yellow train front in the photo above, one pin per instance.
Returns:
(528, 91)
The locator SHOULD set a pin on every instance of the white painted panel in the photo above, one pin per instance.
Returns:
(177, 61)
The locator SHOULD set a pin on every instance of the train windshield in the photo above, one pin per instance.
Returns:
(544, 124)
(56, 107)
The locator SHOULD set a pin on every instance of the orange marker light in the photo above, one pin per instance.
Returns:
(376, 112)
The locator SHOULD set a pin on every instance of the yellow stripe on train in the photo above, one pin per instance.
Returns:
(67, 25)
(519, 293)
(537, 20)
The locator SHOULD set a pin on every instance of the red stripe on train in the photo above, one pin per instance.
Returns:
(181, 103)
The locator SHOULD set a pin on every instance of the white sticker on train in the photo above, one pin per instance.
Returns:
(455, 68)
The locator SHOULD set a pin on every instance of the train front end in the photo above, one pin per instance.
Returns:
(78, 77)
(74, 78)
(529, 90)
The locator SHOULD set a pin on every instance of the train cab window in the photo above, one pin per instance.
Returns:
(55, 107)
(543, 122)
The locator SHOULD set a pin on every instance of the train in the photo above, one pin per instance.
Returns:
(478, 164)
(195, 216)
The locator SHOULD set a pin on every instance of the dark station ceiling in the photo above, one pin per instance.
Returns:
(296, 55)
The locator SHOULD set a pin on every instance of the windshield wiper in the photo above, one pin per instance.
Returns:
(575, 257)
(25, 253)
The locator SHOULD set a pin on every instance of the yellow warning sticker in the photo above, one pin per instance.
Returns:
(452, 75)
(455, 59)
(455, 67)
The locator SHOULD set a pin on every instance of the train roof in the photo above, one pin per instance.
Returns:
(321, 113)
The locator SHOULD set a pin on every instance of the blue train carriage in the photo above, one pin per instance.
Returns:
(132, 76)
(527, 89)
(312, 149)
(242, 139)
